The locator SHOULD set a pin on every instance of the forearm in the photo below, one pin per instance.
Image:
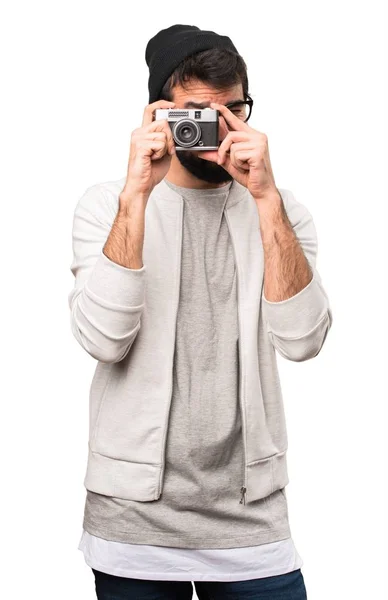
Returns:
(108, 297)
(286, 269)
(124, 244)
(294, 303)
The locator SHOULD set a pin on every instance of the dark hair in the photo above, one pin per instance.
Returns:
(219, 67)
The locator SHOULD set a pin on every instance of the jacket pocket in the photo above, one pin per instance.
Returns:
(266, 475)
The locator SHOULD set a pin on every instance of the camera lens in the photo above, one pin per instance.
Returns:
(186, 133)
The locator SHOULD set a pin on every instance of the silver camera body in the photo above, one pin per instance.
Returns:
(192, 128)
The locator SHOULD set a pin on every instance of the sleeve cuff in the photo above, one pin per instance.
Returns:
(116, 284)
(296, 316)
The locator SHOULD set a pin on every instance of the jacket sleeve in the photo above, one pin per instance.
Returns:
(298, 326)
(107, 299)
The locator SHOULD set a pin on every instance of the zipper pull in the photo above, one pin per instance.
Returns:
(242, 490)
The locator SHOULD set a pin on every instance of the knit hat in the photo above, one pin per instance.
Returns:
(170, 46)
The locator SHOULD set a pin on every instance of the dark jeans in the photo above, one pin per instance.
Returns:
(289, 586)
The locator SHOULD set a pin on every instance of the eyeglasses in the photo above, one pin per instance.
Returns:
(242, 110)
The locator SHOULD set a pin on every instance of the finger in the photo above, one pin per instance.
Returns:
(150, 108)
(235, 123)
(244, 152)
(164, 136)
(240, 159)
(235, 147)
(153, 148)
(163, 126)
(231, 138)
(156, 135)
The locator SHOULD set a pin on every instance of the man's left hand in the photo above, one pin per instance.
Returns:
(244, 154)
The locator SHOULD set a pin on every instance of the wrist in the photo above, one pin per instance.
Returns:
(270, 200)
(132, 190)
(271, 209)
(132, 201)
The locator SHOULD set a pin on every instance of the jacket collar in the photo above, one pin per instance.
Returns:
(237, 192)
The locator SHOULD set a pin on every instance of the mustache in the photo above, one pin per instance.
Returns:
(203, 169)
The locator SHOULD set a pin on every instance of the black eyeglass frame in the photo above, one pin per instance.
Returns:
(248, 101)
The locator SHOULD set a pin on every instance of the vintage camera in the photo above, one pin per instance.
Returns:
(192, 129)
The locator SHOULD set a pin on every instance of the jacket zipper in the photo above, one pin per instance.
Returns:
(243, 489)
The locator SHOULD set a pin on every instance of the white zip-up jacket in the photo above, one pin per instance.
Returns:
(125, 318)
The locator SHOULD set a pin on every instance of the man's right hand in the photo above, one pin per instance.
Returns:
(152, 147)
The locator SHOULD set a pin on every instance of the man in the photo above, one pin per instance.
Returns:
(190, 273)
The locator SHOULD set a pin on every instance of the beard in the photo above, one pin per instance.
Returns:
(203, 169)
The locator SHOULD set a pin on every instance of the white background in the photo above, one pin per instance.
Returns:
(74, 85)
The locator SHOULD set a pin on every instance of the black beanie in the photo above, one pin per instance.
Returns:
(170, 46)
